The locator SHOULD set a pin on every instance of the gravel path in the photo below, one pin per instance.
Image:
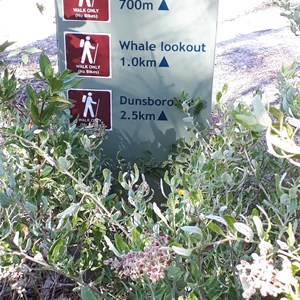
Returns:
(253, 41)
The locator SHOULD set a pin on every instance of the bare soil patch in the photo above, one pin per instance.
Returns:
(252, 44)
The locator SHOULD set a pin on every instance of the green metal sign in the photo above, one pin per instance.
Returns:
(134, 57)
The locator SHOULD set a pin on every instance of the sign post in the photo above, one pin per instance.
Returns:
(134, 57)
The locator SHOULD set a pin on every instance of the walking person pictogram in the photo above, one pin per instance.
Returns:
(88, 3)
(86, 52)
(88, 100)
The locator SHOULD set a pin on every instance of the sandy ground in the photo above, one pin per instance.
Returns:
(22, 22)
(253, 40)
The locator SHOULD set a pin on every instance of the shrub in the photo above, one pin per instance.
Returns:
(291, 10)
(228, 227)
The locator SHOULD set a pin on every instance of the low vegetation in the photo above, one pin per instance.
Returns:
(71, 229)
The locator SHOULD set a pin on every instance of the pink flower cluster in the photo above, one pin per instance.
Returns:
(260, 275)
(150, 262)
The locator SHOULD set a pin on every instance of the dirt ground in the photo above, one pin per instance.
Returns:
(253, 41)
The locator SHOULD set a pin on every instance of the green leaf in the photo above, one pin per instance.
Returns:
(31, 207)
(136, 173)
(5, 201)
(244, 229)
(70, 211)
(16, 238)
(259, 226)
(159, 214)
(120, 244)
(260, 112)
(293, 122)
(5, 45)
(227, 179)
(216, 228)
(136, 238)
(219, 96)
(111, 246)
(230, 222)
(44, 63)
(63, 163)
(88, 294)
(225, 88)
(59, 105)
(71, 193)
(255, 212)
(217, 218)
(182, 251)
(60, 99)
(12, 180)
(55, 85)
(31, 93)
(57, 251)
(35, 114)
(192, 229)
(192, 296)
(174, 272)
(288, 146)
(39, 257)
(246, 119)
(107, 182)
(38, 76)
(67, 76)
(138, 295)
(6, 230)
(49, 72)
(25, 58)
(33, 50)
(14, 52)
(46, 171)
(291, 239)
(197, 107)
(188, 119)
(64, 75)
(38, 131)
(268, 219)
(278, 114)
(48, 112)
(70, 84)
(28, 245)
